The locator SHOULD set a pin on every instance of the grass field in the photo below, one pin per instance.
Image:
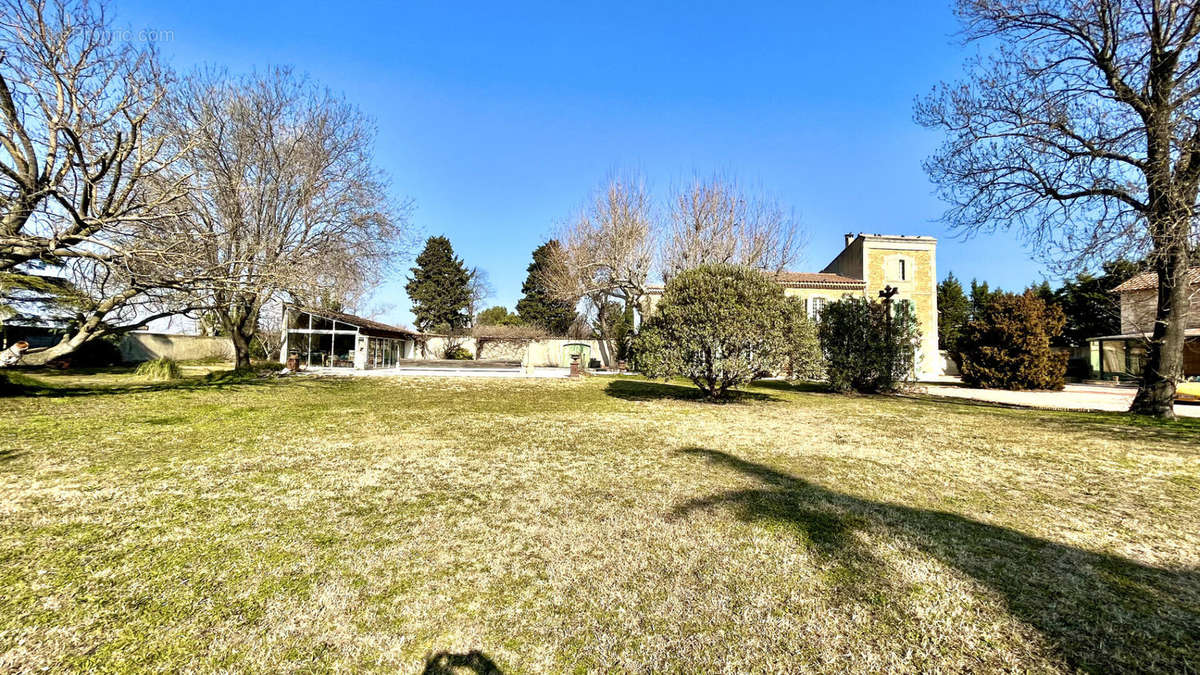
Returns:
(320, 524)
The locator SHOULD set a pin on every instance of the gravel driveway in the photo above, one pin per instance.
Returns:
(1073, 397)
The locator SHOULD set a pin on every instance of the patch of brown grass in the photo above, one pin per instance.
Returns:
(552, 525)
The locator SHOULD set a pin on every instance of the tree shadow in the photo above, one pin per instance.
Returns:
(805, 386)
(1101, 612)
(218, 381)
(644, 390)
(449, 663)
(1182, 430)
(10, 454)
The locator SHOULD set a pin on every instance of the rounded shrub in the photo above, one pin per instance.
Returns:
(722, 326)
(868, 348)
(1007, 346)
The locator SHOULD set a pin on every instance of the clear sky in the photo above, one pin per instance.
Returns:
(498, 119)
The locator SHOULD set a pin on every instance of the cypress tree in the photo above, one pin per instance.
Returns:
(539, 307)
(953, 311)
(440, 288)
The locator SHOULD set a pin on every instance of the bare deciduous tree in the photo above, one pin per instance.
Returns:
(270, 331)
(284, 198)
(79, 141)
(714, 221)
(1082, 130)
(480, 290)
(609, 249)
(83, 161)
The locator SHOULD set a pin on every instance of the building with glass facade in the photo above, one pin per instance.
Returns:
(325, 339)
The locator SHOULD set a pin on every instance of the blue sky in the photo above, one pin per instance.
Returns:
(499, 119)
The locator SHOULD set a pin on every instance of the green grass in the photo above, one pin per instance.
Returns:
(256, 524)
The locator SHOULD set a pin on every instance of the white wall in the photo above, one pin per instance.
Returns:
(145, 346)
(544, 352)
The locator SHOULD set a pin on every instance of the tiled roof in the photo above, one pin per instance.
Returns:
(818, 280)
(1149, 280)
(798, 280)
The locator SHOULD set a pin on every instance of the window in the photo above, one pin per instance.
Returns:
(898, 268)
(297, 320)
(815, 305)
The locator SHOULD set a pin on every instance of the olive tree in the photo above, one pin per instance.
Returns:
(721, 326)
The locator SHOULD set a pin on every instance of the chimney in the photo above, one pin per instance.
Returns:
(850, 236)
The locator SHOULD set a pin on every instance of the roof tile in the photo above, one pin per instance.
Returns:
(819, 279)
(1149, 280)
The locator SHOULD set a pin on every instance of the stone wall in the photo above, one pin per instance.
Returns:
(434, 347)
(1138, 309)
(551, 352)
(491, 349)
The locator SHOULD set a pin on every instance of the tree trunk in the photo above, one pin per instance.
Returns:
(1171, 205)
(90, 328)
(65, 347)
(1164, 354)
(241, 349)
(241, 320)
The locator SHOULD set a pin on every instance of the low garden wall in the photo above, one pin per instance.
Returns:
(542, 352)
(142, 346)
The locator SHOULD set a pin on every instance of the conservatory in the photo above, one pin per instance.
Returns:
(325, 339)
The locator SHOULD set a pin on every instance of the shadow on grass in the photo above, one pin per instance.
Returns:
(1185, 430)
(793, 386)
(643, 390)
(47, 388)
(9, 454)
(448, 663)
(1101, 612)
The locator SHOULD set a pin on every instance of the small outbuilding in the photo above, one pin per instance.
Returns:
(325, 339)
(1123, 356)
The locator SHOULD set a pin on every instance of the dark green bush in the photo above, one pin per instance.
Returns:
(1007, 346)
(722, 326)
(459, 353)
(866, 349)
(1080, 369)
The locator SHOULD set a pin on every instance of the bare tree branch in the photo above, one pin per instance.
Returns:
(1082, 131)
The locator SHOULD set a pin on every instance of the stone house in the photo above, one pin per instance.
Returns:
(866, 265)
(1123, 355)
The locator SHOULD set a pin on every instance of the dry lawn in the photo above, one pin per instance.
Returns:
(610, 524)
